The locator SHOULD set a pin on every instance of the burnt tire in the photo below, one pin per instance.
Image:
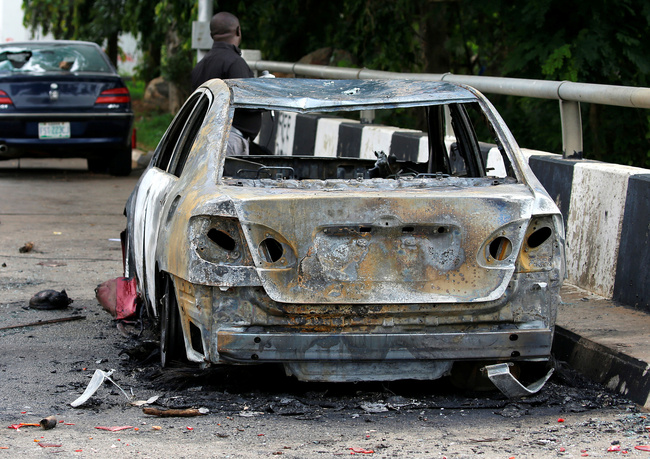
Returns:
(172, 344)
(120, 164)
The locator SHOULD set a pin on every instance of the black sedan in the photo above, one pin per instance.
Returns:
(64, 99)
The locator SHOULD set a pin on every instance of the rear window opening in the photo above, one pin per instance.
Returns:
(440, 141)
(41, 57)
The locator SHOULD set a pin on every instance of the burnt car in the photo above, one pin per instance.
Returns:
(64, 99)
(339, 264)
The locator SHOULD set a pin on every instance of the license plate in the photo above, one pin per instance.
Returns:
(54, 130)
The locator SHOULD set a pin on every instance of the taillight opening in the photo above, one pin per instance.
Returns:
(540, 250)
(539, 236)
(271, 250)
(5, 99)
(114, 96)
(500, 248)
(222, 239)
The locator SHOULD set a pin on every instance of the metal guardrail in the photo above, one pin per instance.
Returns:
(568, 93)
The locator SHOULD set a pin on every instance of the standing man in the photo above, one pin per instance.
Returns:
(224, 61)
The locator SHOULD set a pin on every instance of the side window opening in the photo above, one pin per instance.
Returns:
(496, 160)
(166, 146)
(186, 140)
(464, 153)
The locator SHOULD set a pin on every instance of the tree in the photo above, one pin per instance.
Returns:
(593, 41)
(92, 20)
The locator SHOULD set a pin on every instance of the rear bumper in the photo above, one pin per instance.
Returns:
(91, 134)
(246, 347)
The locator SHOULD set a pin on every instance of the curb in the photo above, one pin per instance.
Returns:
(615, 370)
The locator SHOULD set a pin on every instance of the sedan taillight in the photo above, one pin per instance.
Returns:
(5, 99)
(114, 96)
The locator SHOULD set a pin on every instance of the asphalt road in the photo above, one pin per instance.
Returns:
(72, 220)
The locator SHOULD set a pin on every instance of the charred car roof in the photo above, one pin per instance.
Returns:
(308, 95)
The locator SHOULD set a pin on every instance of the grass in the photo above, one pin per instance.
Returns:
(150, 125)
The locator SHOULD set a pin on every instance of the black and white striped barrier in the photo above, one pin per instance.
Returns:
(337, 137)
(606, 209)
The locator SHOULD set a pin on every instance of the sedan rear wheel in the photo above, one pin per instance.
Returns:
(120, 163)
(97, 165)
(172, 345)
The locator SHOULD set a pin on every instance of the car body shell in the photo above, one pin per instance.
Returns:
(344, 277)
(64, 99)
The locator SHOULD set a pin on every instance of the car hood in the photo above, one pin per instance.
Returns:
(374, 246)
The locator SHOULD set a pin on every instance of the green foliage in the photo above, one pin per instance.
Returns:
(136, 88)
(91, 20)
(560, 66)
(150, 125)
(592, 41)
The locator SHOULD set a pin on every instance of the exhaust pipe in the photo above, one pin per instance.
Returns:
(3, 147)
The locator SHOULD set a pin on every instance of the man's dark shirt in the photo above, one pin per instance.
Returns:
(224, 61)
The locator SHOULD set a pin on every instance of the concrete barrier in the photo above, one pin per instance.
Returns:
(606, 207)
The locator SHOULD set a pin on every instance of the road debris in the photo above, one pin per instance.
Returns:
(361, 450)
(49, 445)
(114, 428)
(50, 299)
(44, 322)
(149, 401)
(28, 247)
(52, 264)
(506, 382)
(189, 412)
(373, 407)
(48, 423)
(23, 424)
(96, 381)
(119, 297)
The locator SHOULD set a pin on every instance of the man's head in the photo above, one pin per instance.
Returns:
(225, 27)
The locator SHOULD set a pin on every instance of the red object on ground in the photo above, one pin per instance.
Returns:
(114, 428)
(643, 447)
(614, 448)
(119, 297)
(362, 450)
(49, 445)
(560, 420)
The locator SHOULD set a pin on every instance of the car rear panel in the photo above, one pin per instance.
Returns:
(366, 246)
(61, 99)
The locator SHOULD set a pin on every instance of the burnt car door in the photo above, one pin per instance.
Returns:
(155, 187)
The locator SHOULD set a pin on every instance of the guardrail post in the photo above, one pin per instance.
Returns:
(571, 129)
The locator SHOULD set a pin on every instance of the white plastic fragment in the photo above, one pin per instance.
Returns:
(96, 381)
(146, 402)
